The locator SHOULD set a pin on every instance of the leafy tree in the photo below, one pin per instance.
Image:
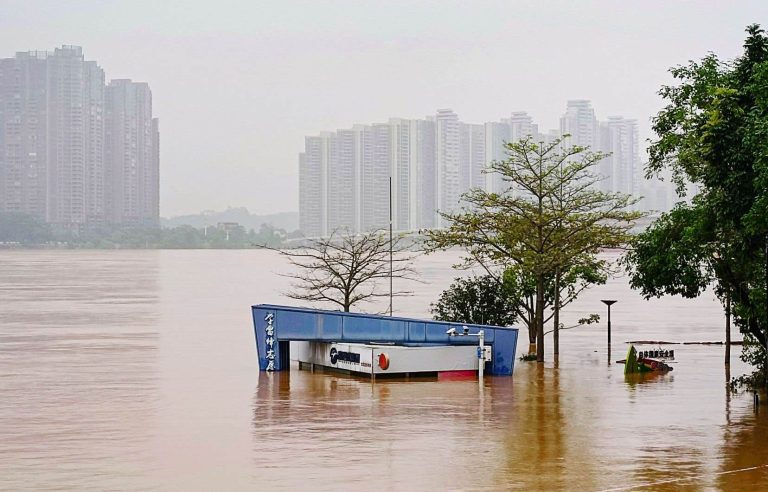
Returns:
(26, 230)
(713, 136)
(270, 236)
(521, 287)
(477, 300)
(551, 218)
(346, 269)
(501, 300)
(22, 228)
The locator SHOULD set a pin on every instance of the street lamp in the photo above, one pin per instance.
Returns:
(608, 303)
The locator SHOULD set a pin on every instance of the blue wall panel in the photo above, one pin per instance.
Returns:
(417, 331)
(377, 329)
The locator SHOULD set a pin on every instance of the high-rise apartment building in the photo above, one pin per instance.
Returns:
(132, 168)
(447, 150)
(312, 210)
(497, 134)
(344, 178)
(342, 192)
(580, 122)
(23, 134)
(619, 138)
(521, 125)
(54, 164)
(423, 213)
(52, 134)
(403, 135)
(433, 161)
(472, 159)
(75, 111)
(375, 168)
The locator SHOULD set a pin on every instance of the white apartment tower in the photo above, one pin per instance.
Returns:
(312, 210)
(472, 161)
(403, 135)
(619, 138)
(521, 125)
(423, 185)
(447, 147)
(375, 167)
(580, 122)
(497, 135)
(344, 175)
(341, 169)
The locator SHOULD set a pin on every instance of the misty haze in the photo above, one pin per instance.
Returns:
(403, 245)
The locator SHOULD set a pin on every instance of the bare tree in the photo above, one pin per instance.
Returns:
(346, 269)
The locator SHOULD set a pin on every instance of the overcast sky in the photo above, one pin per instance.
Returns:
(238, 84)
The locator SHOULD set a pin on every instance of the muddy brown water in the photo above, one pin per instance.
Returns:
(137, 370)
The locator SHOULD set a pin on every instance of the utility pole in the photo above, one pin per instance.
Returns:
(390, 246)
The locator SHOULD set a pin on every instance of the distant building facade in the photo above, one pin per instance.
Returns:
(132, 171)
(620, 169)
(59, 160)
(344, 175)
(580, 122)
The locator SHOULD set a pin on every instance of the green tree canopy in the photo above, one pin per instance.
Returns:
(477, 300)
(551, 219)
(23, 229)
(713, 137)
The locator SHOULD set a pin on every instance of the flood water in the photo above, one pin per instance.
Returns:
(137, 370)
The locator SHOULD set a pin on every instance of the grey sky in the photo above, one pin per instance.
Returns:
(237, 84)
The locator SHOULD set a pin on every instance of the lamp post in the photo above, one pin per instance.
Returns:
(609, 302)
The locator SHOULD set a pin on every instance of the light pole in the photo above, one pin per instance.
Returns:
(390, 245)
(608, 303)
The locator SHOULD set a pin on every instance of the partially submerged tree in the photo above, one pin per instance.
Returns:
(345, 269)
(551, 218)
(557, 295)
(479, 300)
(713, 134)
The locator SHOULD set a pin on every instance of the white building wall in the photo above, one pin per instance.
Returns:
(497, 134)
(448, 156)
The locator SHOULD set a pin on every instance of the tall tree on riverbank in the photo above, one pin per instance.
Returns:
(713, 135)
(551, 219)
(346, 269)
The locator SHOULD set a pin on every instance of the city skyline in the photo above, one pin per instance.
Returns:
(238, 87)
(344, 174)
(76, 152)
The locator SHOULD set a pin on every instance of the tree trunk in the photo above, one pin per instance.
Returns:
(556, 332)
(532, 332)
(539, 318)
(728, 329)
(531, 324)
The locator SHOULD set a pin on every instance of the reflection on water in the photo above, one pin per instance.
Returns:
(545, 429)
(133, 370)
